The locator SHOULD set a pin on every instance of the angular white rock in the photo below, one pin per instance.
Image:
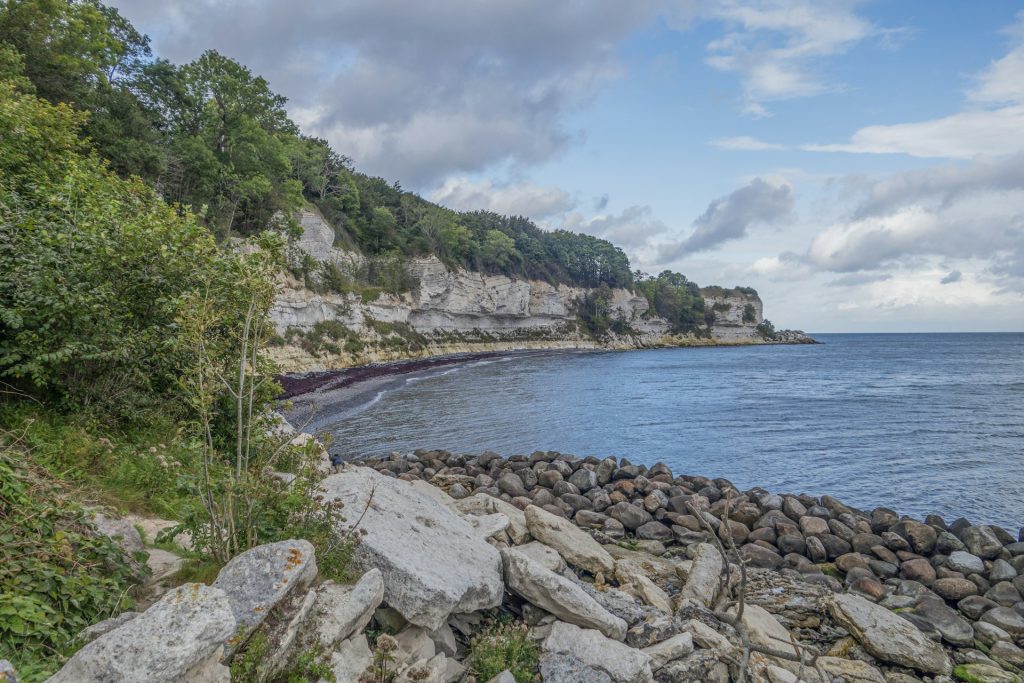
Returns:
(676, 647)
(623, 663)
(705, 577)
(339, 611)
(482, 504)
(544, 555)
(433, 561)
(886, 635)
(351, 659)
(558, 595)
(576, 546)
(259, 579)
(179, 638)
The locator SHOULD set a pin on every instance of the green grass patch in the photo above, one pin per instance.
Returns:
(504, 646)
(59, 575)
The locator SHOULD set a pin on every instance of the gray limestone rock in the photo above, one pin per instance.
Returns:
(433, 561)
(887, 636)
(340, 611)
(621, 662)
(564, 668)
(259, 579)
(558, 595)
(575, 545)
(180, 638)
(704, 580)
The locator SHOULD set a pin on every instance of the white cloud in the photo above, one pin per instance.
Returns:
(959, 136)
(415, 91)
(777, 46)
(1003, 81)
(745, 143)
(515, 199)
(991, 125)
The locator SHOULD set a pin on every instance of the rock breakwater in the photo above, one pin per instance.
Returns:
(615, 573)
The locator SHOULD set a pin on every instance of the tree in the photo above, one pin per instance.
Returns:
(498, 251)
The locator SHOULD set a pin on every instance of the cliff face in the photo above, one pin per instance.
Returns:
(457, 311)
(737, 313)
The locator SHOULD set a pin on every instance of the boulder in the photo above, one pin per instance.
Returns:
(481, 504)
(981, 541)
(676, 647)
(180, 638)
(887, 636)
(947, 621)
(433, 561)
(351, 659)
(340, 611)
(558, 595)
(704, 580)
(258, 579)
(121, 531)
(630, 516)
(547, 557)
(965, 563)
(621, 662)
(984, 673)
(1007, 619)
(850, 670)
(572, 543)
(564, 668)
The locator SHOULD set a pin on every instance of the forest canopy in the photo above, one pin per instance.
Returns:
(213, 137)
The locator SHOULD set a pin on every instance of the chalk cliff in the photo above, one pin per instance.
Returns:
(452, 311)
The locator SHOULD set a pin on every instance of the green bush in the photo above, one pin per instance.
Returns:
(93, 270)
(59, 574)
(504, 646)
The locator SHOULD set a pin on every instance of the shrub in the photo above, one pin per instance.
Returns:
(504, 646)
(59, 574)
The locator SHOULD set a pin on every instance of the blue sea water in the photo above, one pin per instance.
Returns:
(922, 423)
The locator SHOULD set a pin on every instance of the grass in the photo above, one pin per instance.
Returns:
(504, 646)
(141, 469)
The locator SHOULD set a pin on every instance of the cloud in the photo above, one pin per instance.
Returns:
(729, 217)
(517, 199)
(745, 143)
(951, 277)
(990, 125)
(633, 228)
(857, 279)
(1002, 82)
(415, 91)
(777, 46)
(959, 136)
(950, 214)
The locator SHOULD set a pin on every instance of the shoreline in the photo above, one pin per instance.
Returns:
(299, 384)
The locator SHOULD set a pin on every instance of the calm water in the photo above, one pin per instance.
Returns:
(922, 423)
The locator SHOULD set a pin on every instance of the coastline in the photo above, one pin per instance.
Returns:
(300, 383)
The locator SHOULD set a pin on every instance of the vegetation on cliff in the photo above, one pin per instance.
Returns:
(213, 136)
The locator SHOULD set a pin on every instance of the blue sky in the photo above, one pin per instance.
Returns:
(860, 163)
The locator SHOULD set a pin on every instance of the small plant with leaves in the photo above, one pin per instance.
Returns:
(504, 646)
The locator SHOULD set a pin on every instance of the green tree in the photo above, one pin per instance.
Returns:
(498, 251)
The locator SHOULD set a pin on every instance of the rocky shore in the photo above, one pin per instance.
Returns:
(617, 573)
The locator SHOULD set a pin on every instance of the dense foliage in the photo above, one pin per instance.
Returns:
(59, 574)
(675, 299)
(211, 135)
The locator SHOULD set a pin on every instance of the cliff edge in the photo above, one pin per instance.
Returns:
(456, 311)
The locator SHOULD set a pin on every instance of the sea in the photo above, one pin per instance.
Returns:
(920, 423)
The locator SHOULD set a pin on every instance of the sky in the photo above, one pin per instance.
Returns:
(861, 164)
